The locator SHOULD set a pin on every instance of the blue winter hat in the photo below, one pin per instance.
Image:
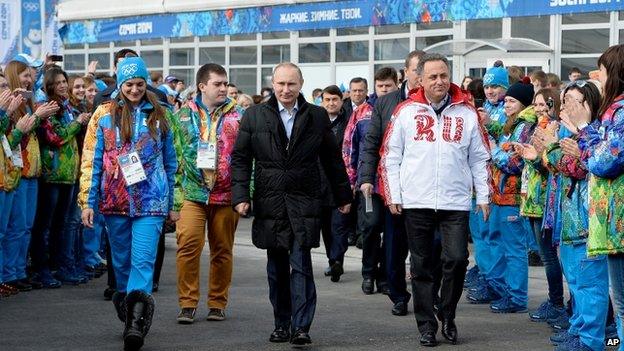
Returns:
(100, 85)
(167, 90)
(496, 75)
(28, 60)
(130, 68)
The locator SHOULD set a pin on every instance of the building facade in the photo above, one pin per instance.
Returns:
(333, 50)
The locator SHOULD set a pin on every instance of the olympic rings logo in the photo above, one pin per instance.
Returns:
(30, 6)
(130, 69)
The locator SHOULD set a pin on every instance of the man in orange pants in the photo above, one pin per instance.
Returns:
(204, 142)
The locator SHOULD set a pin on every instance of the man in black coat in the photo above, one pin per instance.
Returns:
(286, 136)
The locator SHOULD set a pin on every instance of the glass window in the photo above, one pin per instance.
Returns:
(211, 55)
(238, 37)
(103, 60)
(186, 75)
(275, 53)
(153, 58)
(182, 40)
(276, 35)
(243, 55)
(267, 75)
(484, 29)
(313, 33)
(212, 38)
(124, 43)
(352, 31)
(97, 45)
(393, 29)
(391, 49)
(396, 65)
(76, 46)
(245, 79)
(314, 52)
(537, 28)
(423, 42)
(181, 57)
(434, 25)
(155, 41)
(74, 62)
(584, 64)
(621, 15)
(585, 41)
(592, 17)
(621, 36)
(352, 51)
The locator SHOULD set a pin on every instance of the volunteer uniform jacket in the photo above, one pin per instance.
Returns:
(432, 162)
(9, 174)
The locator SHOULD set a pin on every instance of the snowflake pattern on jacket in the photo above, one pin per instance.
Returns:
(9, 174)
(602, 146)
(535, 176)
(190, 184)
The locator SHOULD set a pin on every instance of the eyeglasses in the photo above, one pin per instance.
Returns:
(578, 83)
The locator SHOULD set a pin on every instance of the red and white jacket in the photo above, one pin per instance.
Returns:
(434, 162)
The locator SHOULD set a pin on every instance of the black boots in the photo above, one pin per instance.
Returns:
(139, 313)
(119, 301)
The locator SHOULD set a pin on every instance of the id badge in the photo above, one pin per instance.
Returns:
(16, 157)
(131, 168)
(5, 145)
(207, 155)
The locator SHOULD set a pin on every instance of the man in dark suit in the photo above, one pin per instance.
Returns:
(287, 137)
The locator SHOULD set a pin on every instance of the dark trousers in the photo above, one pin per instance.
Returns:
(336, 228)
(370, 226)
(160, 256)
(552, 266)
(395, 244)
(291, 287)
(421, 225)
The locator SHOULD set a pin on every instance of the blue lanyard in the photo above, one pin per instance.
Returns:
(139, 119)
(196, 124)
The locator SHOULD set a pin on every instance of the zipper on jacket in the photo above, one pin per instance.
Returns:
(437, 171)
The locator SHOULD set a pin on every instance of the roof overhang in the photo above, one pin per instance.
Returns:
(463, 47)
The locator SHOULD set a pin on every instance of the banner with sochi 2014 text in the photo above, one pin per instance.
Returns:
(320, 15)
(9, 29)
(53, 43)
(31, 33)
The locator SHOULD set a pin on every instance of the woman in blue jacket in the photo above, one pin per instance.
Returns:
(128, 169)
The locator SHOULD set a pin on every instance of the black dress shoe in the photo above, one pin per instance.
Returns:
(399, 309)
(428, 339)
(108, 293)
(383, 287)
(336, 271)
(300, 337)
(280, 334)
(368, 286)
(449, 330)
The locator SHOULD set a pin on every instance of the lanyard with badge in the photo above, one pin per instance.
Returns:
(206, 149)
(130, 163)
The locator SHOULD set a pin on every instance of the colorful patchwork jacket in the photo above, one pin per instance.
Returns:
(496, 112)
(192, 121)
(353, 139)
(602, 150)
(535, 176)
(9, 174)
(59, 148)
(102, 180)
(507, 169)
(31, 155)
(571, 205)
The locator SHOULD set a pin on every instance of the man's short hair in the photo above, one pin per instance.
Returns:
(289, 65)
(332, 90)
(575, 70)
(553, 80)
(359, 80)
(123, 53)
(231, 85)
(203, 73)
(385, 73)
(416, 53)
(430, 58)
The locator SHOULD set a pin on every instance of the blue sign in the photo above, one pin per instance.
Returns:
(32, 33)
(337, 14)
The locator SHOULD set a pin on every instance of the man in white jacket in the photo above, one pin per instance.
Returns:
(433, 155)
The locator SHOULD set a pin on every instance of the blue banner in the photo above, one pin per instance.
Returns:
(337, 14)
(32, 34)
(9, 29)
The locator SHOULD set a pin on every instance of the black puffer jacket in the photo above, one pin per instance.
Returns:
(287, 196)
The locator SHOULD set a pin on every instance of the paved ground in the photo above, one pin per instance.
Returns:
(77, 318)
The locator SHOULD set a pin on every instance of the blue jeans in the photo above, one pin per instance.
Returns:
(336, 228)
(291, 287)
(92, 240)
(51, 244)
(21, 221)
(510, 273)
(616, 279)
(134, 242)
(587, 279)
(6, 201)
(479, 232)
(73, 226)
(552, 266)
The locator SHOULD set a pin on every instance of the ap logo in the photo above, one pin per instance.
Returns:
(130, 69)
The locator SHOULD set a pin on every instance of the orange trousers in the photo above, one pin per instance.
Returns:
(221, 222)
